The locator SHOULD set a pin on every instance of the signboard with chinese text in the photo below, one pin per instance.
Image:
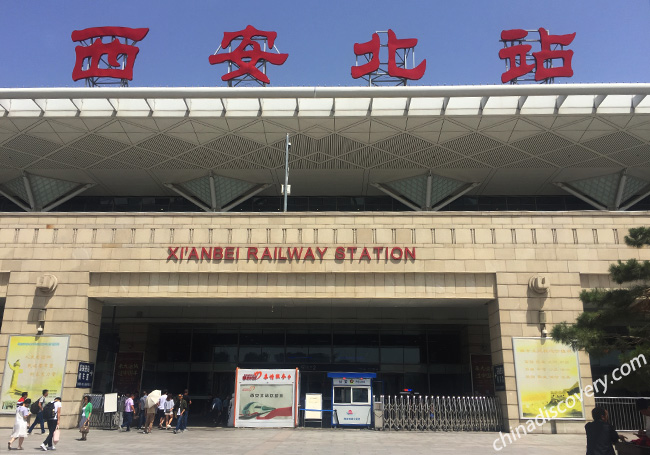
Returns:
(352, 381)
(128, 371)
(499, 378)
(33, 363)
(266, 398)
(548, 378)
(482, 383)
(85, 375)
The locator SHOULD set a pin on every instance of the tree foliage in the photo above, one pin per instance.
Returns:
(616, 320)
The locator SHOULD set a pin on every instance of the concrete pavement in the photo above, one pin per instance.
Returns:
(301, 441)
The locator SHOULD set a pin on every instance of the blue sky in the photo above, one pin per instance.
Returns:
(459, 38)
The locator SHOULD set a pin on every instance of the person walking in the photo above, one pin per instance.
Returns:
(52, 414)
(23, 397)
(601, 435)
(186, 397)
(39, 414)
(128, 412)
(182, 409)
(169, 411)
(20, 424)
(84, 421)
(161, 409)
(143, 409)
(151, 416)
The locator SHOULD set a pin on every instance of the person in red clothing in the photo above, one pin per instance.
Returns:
(22, 398)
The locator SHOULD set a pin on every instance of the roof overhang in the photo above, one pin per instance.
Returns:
(510, 139)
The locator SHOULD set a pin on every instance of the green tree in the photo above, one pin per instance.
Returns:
(617, 320)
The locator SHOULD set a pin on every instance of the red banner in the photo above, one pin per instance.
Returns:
(128, 372)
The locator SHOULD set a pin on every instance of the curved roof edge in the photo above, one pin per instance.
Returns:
(327, 92)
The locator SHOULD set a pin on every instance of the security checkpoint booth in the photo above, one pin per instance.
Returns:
(352, 399)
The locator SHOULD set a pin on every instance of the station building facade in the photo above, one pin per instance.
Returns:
(409, 293)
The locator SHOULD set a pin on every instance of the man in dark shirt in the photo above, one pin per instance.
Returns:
(601, 436)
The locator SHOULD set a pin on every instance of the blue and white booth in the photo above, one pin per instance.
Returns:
(352, 399)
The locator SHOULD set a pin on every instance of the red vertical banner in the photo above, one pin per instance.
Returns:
(482, 382)
(128, 372)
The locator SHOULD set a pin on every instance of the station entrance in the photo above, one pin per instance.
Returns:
(425, 350)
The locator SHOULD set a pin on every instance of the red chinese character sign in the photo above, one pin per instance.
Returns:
(520, 63)
(247, 61)
(109, 63)
(393, 69)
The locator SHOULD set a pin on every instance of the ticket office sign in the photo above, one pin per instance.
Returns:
(266, 398)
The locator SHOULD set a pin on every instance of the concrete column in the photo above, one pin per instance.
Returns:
(69, 311)
(515, 313)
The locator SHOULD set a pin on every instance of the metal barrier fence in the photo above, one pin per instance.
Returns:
(441, 413)
(105, 420)
(622, 412)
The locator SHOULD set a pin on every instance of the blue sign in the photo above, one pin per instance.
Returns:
(499, 378)
(85, 375)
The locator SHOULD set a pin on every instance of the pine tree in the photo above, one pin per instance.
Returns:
(620, 319)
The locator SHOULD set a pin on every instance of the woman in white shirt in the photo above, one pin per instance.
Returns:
(168, 406)
(20, 425)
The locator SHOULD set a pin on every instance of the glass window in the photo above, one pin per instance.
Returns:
(344, 354)
(320, 354)
(392, 355)
(297, 354)
(225, 354)
(360, 395)
(250, 354)
(175, 347)
(411, 355)
(367, 354)
(273, 354)
(342, 395)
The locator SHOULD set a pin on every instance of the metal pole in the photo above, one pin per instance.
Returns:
(286, 172)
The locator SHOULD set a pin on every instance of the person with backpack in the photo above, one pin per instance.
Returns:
(37, 409)
(52, 414)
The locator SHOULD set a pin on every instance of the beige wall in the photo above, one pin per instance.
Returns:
(462, 257)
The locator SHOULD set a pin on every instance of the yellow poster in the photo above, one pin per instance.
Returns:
(548, 379)
(33, 363)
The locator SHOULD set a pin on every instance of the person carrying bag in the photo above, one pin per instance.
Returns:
(84, 421)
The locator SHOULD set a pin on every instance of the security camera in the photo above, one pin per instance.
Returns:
(544, 332)
(289, 144)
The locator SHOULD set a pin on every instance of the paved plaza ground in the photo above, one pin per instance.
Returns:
(301, 442)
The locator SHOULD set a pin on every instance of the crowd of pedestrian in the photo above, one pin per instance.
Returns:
(45, 413)
(145, 411)
(156, 409)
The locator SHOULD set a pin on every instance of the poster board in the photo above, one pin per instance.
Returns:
(548, 378)
(266, 398)
(33, 363)
(313, 401)
(110, 402)
(128, 371)
(482, 380)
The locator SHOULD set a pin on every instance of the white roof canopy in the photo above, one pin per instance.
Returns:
(509, 139)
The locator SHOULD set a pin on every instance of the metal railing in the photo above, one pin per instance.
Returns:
(422, 413)
(105, 420)
(622, 412)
